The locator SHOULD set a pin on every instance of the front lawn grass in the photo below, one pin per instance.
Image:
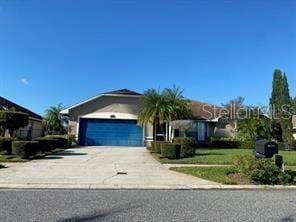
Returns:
(222, 157)
(216, 174)
(221, 174)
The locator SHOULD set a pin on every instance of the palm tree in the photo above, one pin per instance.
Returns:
(157, 108)
(53, 120)
(178, 106)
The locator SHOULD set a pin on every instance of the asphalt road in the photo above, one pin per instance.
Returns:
(92, 205)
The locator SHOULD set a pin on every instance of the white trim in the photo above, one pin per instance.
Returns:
(66, 111)
(77, 127)
(110, 115)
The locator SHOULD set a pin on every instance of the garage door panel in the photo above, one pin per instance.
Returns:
(110, 133)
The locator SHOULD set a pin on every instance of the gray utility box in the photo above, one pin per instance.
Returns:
(265, 149)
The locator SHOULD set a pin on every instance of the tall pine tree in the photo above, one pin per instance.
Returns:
(280, 103)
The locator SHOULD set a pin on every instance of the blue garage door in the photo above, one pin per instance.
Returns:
(106, 132)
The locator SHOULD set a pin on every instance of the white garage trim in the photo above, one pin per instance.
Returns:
(110, 115)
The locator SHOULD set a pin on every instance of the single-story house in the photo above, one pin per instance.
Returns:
(110, 119)
(34, 128)
(294, 126)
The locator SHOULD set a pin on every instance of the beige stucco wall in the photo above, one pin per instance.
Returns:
(105, 104)
(37, 129)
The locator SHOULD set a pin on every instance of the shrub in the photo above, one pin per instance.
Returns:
(25, 149)
(247, 144)
(281, 146)
(71, 139)
(46, 144)
(153, 144)
(187, 145)
(266, 172)
(244, 163)
(224, 143)
(5, 144)
(156, 146)
(261, 171)
(61, 140)
(64, 141)
(170, 150)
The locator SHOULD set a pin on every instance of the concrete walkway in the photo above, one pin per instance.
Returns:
(98, 168)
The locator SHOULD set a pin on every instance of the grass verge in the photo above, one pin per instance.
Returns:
(222, 157)
(216, 174)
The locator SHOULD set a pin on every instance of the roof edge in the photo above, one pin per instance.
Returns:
(66, 111)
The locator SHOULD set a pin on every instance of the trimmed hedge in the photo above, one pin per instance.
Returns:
(224, 144)
(62, 141)
(247, 144)
(72, 139)
(171, 150)
(156, 146)
(25, 149)
(46, 144)
(187, 145)
(5, 144)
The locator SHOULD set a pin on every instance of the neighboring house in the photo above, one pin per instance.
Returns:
(205, 121)
(33, 129)
(294, 126)
(110, 119)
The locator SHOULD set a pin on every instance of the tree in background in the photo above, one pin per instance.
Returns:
(53, 121)
(257, 125)
(281, 107)
(160, 107)
(248, 122)
(12, 121)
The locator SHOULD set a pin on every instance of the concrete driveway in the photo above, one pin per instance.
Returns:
(97, 168)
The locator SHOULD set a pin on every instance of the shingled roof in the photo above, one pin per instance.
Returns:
(123, 92)
(7, 104)
(203, 111)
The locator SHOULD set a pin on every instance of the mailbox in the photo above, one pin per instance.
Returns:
(265, 148)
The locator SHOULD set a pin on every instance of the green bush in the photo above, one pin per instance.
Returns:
(156, 146)
(25, 149)
(224, 142)
(187, 146)
(261, 171)
(281, 146)
(266, 172)
(62, 140)
(244, 164)
(46, 144)
(153, 144)
(5, 144)
(72, 139)
(247, 144)
(170, 150)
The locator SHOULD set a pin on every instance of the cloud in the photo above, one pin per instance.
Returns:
(24, 81)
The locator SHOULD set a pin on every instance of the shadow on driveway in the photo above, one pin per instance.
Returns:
(62, 154)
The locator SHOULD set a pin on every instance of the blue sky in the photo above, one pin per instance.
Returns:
(66, 51)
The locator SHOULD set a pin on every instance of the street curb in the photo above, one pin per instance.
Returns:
(139, 187)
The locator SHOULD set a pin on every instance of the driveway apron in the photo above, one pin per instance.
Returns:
(97, 168)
